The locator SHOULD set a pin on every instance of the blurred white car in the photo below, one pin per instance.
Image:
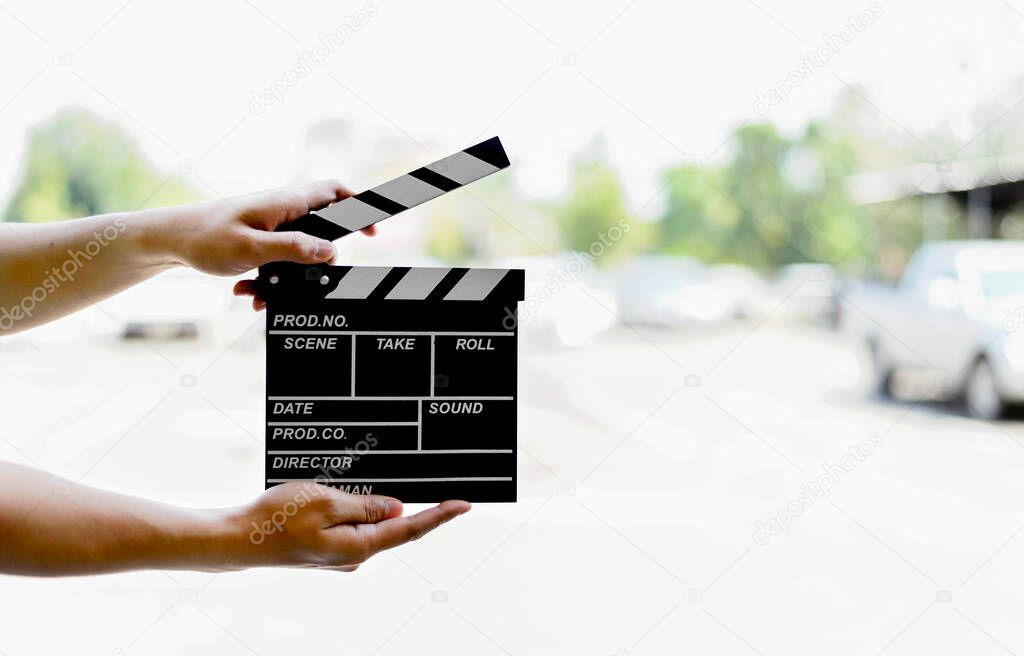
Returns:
(803, 291)
(559, 304)
(954, 324)
(652, 290)
(678, 292)
(180, 303)
(742, 288)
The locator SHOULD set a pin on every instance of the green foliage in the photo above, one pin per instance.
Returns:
(448, 241)
(78, 164)
(595, 203)
(774, 201)
(595, 211)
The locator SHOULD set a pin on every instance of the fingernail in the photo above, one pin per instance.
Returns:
(324, 250)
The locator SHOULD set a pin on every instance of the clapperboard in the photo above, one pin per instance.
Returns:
(394, 380)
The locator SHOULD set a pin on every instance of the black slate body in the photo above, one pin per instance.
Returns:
(394, 381)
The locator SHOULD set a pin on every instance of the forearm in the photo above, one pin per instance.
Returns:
(50, 526)
(49, 270)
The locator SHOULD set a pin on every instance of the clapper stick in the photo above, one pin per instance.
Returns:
(414, 188)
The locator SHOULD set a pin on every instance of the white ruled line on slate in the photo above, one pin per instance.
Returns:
(371, 452)
(390, 398)
(343, 423)
(391, 332)
(456, 479)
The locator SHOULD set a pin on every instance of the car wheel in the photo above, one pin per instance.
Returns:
(882, 372)
(981, 395)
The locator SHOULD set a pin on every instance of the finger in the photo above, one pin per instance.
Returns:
(399, 530)
(244, 288)
(248, 288)
(369, 231)
(291, 246)
(363, 509)
(269, 209)
(323, 192)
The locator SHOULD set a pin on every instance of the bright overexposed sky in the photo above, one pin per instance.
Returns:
(661, 80)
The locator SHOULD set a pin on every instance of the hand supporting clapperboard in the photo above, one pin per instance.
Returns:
(418, 397)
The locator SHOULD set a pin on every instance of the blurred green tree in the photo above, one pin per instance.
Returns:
(595, 204)
(78, 164)
(774, 201)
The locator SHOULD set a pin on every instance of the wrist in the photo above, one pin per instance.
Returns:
(214, 540)
(156, 235)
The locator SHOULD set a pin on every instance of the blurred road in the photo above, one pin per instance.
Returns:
(660, 477)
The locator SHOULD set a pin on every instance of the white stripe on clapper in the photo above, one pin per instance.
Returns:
(476, 284)
(417, 284)
(352, 214)
(462, 168)
(359, 282)
(408, 191)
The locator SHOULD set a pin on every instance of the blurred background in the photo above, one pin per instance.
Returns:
(771, 354)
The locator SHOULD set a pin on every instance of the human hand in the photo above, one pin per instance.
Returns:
(310, 525)
(231, 236)
(291, 525)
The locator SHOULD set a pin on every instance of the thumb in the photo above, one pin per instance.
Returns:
(292, 246)
(368, 509)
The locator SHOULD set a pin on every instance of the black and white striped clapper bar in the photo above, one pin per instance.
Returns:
(415, 187)
(394, 380)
